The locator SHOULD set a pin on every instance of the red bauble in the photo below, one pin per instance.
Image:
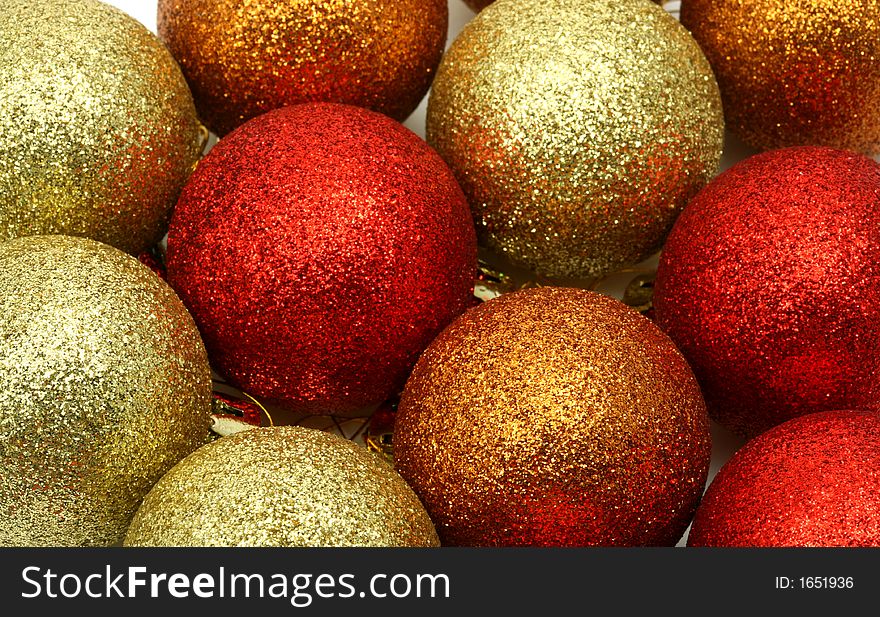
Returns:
(812, 481)
(320, 249)
(770, 286)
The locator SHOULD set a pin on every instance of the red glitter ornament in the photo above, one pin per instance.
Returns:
(812, 481)
(320, 248)
(770, 286)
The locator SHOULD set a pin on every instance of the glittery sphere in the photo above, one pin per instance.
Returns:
(794, 73)
(105, 386)
(285, 486)
(98, 131)
(811, 481)
(554, 417)
(321, 247)
(479, 5)
(577, 128)
(770, 286)
(243, 59)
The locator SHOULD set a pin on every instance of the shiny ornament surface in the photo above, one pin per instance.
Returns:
(284, 486)
(321, 248)
(97, 126)
(479, 5)
(243, 59)
(554, 417)
(578, 129)
(794, 73)
(105, 386)
(809, 482)
(770, 286)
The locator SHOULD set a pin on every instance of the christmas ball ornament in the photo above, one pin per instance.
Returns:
(105, 383)
(243, 59)
(284, 486)
(97, 126)
(479, 5)
(811, 481)
(770, 286)
(321, 247)
(794, 73)
(578, 129)
(555, 417)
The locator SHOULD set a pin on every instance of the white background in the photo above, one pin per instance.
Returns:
(724, 444)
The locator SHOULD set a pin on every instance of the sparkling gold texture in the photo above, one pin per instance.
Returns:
(98, 130)
(479, 5)
(283, 486)
(243, 59)
(804, 72)
(104, 386)
(554, 416)
(577, 128)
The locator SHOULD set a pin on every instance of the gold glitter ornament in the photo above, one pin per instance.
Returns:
(98, 129)
(554, 417)
(578, 129)
(282, 486)
(243, 59)
(479, 5)
(104, 386)
(794, 73)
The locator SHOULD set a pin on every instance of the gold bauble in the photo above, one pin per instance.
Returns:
(98, 130)
(284, 486)
(578, 129)
(794, 73)
(104, 386)
(244, 59)
(554, 417)
(479, 5)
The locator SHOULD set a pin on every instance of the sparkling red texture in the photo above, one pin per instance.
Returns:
(554, 417)
(770, 286)
(243, 59)
(812, 481)
(320, 248)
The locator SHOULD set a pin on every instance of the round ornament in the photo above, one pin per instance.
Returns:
(770, 286)
(243, 59)
(794, 73)
(811, 481)
(97, 126)
(554, 417)
(479, 5)
(321, 247)
(105, 383)
(578, 129)
(284, 486)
